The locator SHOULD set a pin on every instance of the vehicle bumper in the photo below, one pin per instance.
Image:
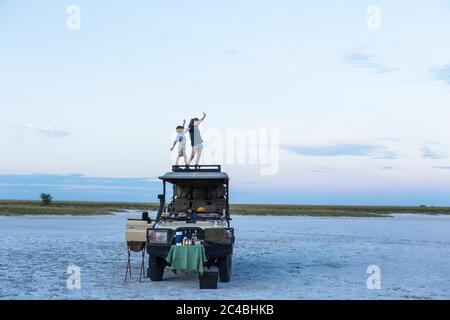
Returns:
(211, 250)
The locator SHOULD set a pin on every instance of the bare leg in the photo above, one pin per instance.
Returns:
(185, 159)
(178, 159)
(192, 156)
(197, 158)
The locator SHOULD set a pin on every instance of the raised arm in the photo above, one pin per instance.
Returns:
(203, 118)
(184, 122)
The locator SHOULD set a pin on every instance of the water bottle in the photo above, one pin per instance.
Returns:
(185, 239)
(179, 238)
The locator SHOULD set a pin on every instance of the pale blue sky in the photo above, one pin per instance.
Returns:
(363, 115)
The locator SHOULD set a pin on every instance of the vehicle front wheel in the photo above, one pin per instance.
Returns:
(225, 265)
(156, 268)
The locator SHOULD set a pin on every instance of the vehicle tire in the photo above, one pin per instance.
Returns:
(156, 268)
(225, 265)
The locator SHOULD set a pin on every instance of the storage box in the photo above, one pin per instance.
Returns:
(209, 280)
(136, 230)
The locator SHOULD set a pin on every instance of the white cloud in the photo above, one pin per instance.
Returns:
(47, 131)
(359, 59)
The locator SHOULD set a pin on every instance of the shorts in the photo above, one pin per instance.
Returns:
(181, 150)
(198, 147)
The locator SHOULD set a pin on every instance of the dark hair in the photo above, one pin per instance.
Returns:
(179, 127)
(195, 119)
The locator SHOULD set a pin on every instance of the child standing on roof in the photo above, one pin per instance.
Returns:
(181, 139)
(196, 139)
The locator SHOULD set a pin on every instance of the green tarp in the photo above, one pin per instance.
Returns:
(187, 257)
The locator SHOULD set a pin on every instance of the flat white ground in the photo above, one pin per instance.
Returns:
(275, 258)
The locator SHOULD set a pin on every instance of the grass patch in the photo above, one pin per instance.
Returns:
(16, 208)
(334, 211)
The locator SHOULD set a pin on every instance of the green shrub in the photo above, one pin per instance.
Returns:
(46, 199)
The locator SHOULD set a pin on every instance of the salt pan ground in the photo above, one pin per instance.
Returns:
(275, 258)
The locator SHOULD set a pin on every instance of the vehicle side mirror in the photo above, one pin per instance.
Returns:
(160, 197)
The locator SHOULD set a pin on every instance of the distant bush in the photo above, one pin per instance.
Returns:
(46, 199)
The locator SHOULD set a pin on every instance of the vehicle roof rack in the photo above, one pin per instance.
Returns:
(197, 168)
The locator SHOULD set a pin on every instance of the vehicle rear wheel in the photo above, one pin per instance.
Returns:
(156, 268)
(225, 265)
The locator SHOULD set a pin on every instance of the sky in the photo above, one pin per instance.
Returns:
(341, 110)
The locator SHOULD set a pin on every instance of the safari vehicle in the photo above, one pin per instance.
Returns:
(199, 204)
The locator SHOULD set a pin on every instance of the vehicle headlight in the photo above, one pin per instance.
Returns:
(159, 236)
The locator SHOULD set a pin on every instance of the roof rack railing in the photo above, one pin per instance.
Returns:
(197, 168)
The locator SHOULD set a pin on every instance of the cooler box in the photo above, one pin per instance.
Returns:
(209, 280)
